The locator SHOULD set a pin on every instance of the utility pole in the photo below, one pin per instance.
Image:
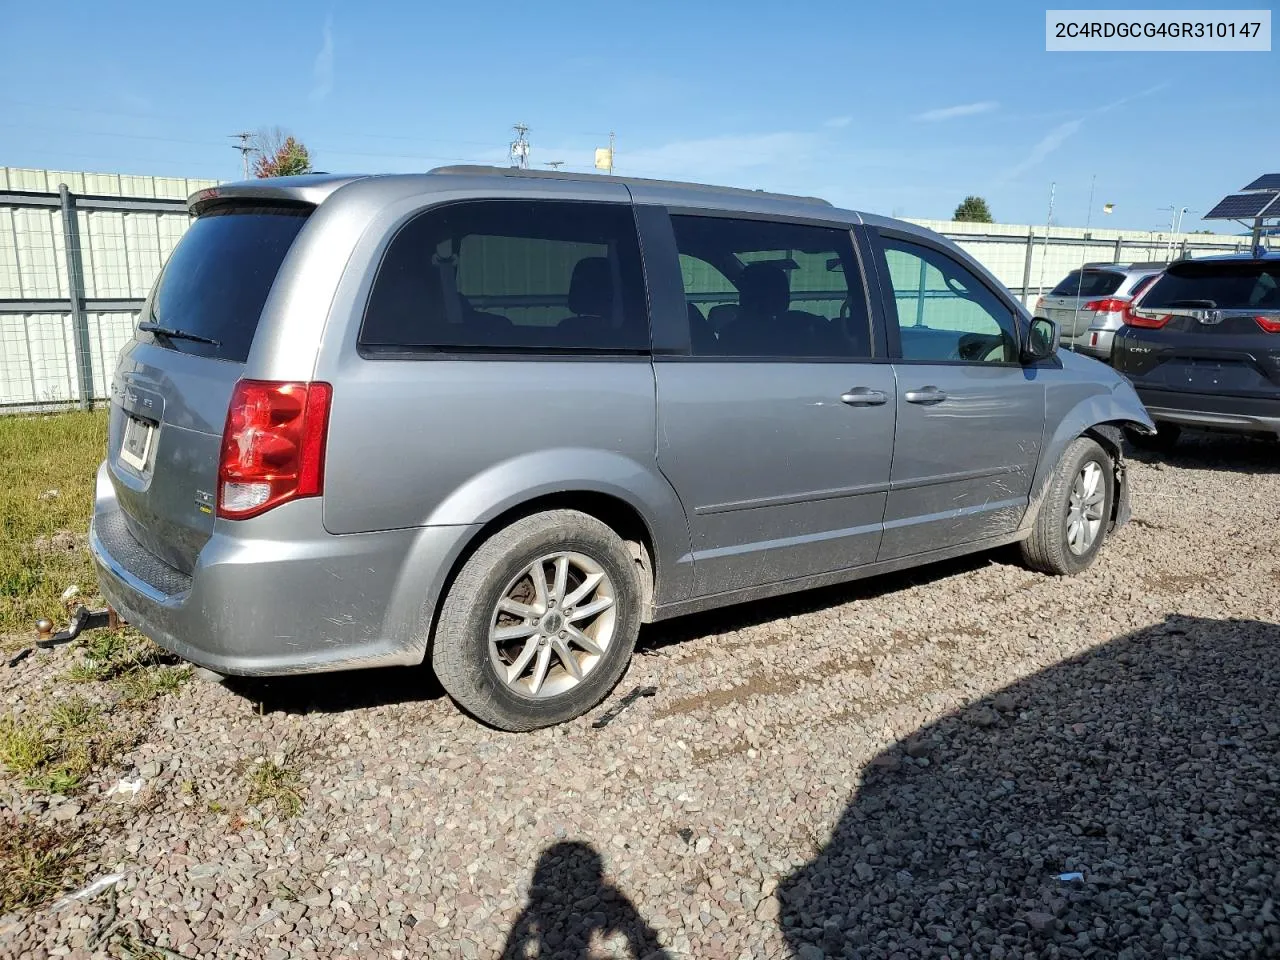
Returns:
(610, 153)
(245, 146)
(520, 147)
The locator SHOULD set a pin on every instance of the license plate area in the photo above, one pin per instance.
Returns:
(136, 444)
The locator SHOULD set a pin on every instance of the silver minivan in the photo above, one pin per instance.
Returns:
(497, 419)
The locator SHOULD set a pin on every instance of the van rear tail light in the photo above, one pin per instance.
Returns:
(272, 446)
(1268, 324)
(1109, 305)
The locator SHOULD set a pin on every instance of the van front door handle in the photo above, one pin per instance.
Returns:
(929, 394)
(864, 397)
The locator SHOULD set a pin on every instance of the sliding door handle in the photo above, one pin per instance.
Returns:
(864, 397)
(929, 394)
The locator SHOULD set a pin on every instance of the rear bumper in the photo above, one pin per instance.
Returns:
(1092, 343)
(1213, 412)
(258, 605)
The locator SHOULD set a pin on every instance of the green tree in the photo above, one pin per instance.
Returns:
(279, 155)
(974, 210)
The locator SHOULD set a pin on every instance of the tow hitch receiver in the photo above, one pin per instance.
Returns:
(81, 620)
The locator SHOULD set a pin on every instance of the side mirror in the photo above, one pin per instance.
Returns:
(1042, 340)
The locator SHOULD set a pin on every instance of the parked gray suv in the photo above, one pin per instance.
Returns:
(498, 419)
(1091, 304)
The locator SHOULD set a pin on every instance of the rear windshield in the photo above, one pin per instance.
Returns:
(1089, 283)
(217, 280)
(1224, 285)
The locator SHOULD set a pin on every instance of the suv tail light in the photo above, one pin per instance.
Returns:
(1268, 324)
(1109, 305)
(1148, 321)
(272, 446)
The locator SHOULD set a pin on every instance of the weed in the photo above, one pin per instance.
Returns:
(274, 783)
(74, 714)
(24, 746)
(36, 862)
(145, 684)
(63, 779)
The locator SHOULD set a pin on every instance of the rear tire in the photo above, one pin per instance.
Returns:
(1075, 513)
(503, 648)
(1162, 441)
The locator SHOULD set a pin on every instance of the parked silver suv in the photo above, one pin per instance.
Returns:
(499, 419)
(1092, 303)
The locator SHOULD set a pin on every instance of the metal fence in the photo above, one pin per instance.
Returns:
(75, 268)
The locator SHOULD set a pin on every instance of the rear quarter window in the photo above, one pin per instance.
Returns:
(1089, 283)
(540, 276)
(216, 281)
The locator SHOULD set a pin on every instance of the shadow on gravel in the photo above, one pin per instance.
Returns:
(1220, 452)
(338, 692)
(570, 904)
(656, 636)
(1122, 804)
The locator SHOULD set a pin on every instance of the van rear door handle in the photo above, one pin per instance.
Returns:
(929, 394)
(864, 397)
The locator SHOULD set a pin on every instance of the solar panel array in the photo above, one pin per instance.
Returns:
(1238, 206)
(1268, 181)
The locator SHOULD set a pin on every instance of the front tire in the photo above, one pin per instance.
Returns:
(540, 623)
(1075, 513)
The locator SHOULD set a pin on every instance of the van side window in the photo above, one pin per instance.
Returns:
(944, 311)
(759, 288)
(514, 276)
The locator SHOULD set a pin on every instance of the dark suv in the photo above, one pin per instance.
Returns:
(1202, 346)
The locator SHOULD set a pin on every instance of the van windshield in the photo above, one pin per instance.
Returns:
(216, 281)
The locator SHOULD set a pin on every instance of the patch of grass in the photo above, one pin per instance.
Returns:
(74, 714)
(56, 750)
(42, 533)
(25, 747)
(36, 863)
(144, 684)
(275, 784)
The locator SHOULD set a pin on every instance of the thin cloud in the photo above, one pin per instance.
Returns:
(1059, 135)
(322, 69)
(959, 110)
(1050, 142)
(724, 159)
(835, 123)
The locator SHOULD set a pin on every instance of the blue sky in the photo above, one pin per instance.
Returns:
(897, 108)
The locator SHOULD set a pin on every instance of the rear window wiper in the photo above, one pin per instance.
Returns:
(171, 334)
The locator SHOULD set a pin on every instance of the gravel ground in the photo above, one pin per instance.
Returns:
(967, 760)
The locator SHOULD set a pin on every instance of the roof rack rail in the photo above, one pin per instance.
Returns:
(475, 169)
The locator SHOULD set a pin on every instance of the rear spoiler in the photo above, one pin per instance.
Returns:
(310, 189)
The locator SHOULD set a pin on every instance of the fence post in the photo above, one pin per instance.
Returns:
(1116, 255)
(1026, 265)
(75, 287)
